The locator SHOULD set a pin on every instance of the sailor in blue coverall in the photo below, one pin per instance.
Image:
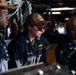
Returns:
(4, 57)
(66, 50)
(29, 47)
(4, 20)
(28, 53)
(66, 53)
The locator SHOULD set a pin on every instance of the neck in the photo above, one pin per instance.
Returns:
(31, 38)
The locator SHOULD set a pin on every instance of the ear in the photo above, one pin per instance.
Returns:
(29, 27)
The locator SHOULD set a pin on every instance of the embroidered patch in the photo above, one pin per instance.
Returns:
(40, 48)
(27, 41)
(38, 38)
(6, 51)
(29, 53)
(40, 45)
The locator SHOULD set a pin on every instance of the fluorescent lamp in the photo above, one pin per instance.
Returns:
(61, 9)
(52, 13)
(56, 12)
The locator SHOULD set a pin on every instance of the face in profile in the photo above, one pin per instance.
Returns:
(36, 31)
(4, 19)
(72, 33)
(54, 25)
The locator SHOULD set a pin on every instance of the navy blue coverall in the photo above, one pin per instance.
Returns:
(24, 53)
(4, 57)
(66, 54)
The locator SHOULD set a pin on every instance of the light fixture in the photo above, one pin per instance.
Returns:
(52, 13)
(61, 9)
(56, 12)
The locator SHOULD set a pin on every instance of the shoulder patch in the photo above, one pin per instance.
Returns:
(29, 53)
(27, 41)
(6, 51)
(38, 38)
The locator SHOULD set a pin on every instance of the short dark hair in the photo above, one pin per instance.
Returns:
(53, 22)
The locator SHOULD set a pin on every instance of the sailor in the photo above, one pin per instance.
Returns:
(66, 50)
(30, 47)
(4, 19)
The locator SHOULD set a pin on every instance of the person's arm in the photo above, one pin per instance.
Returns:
(18, 55)
(42, 53)
(18, 63)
